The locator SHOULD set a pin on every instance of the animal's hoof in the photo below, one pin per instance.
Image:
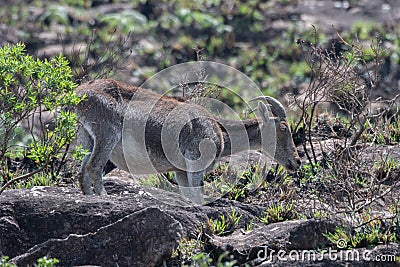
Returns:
(101, 192)
(194, 194)
(87, 192)
(99, 189)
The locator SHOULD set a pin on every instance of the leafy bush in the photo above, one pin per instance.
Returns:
(30, 89)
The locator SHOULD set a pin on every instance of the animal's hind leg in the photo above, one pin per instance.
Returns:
(98, 159)
(83, 177)
(87, 143)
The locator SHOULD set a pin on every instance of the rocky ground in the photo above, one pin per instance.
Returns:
(131, 227)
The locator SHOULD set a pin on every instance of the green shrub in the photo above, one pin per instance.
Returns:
(28, 88)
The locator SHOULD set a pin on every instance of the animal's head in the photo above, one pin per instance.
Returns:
(285, 150)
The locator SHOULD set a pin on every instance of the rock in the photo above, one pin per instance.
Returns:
(382, 255)
(300, 243)
(57, 49)
(128, 227)
(8, 35)
(143, 238)
(287, 235)
(14, 238)
(139, 226)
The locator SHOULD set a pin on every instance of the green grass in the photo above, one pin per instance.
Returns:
(224, 224)
(372, 232)
(278, 212)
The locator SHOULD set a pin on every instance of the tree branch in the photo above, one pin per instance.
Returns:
(22, 177)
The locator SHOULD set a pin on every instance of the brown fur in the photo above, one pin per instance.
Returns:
(110, 106)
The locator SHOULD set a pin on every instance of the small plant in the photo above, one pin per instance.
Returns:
(126, 21)
(204, 260)
(201, 260)
(236, 192)
(41, 262)
(224, 180)
(188, 248)
(78, 153)
(250, 225)
(235, 217)
(278, 213)
(310, 173)
(319, 214)
(219, 226)
(254, 176)
(45, 262)
(4, 262)
(371, 231)
(250, 180)
(386, 132)
(162, 181)
(386, 168)
(225, 224)
(54, 15)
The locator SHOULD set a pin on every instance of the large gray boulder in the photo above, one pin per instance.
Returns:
(128, 227)
(142, 238)
(138, 226)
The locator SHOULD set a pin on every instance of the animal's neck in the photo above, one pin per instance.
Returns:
(240, 135)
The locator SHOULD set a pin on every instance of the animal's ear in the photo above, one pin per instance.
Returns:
(263, 109)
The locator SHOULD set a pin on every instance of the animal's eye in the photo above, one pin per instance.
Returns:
(283, 127)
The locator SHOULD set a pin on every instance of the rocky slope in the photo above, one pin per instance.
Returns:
(131, 227)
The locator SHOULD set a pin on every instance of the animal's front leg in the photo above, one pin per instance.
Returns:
(196, 186)
(182, 180)
(195, 165)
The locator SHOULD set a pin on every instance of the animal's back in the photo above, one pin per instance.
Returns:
(105, 93)
(110, 106)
